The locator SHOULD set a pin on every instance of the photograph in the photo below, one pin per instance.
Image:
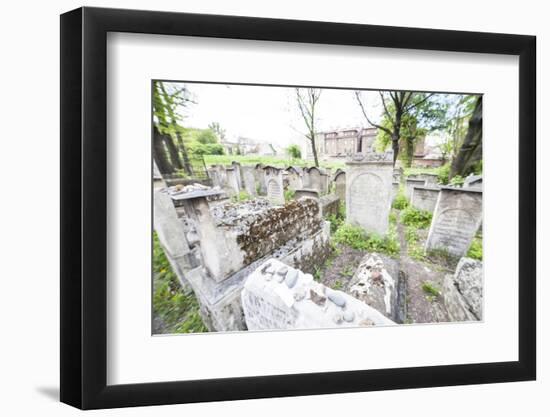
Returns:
(298, 207)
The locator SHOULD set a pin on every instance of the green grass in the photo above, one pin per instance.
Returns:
(431, 290)
(276, 161)
(476, 249)
(289, 194)
(178, 310)
(242, 196)
(356, 238)
(417, 171)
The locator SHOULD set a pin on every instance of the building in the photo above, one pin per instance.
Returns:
(342, 142)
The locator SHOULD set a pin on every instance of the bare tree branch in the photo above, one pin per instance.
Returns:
(358, 98)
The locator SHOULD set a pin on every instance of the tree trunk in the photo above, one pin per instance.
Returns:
(173, 151)
(470, 153)
(409, 143)
(395, 146)
(159, 153)
(186, 164)
(314, 149)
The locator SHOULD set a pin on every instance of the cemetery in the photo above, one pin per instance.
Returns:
(367, 226)
(267, 248)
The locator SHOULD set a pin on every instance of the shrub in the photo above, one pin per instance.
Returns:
(289, 194)
(411, 216)
(457, 180)
(476, 249)
(443, 173)
(400, 201)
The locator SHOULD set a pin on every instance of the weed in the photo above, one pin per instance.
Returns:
(400, 201)
(420, 219)
(431, 290)
(356, 238)
(476, 249)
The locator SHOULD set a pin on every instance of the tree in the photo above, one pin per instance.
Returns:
(166, 100)
(461, 108)
(294, 151)
(207, 136)
(399, 108)
(470, 155)
(217, 129)
(307, 99)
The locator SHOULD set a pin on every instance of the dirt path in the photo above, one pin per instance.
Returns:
(421, 306)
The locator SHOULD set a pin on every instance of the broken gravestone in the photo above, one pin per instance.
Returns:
(278, 297)
(463, 291)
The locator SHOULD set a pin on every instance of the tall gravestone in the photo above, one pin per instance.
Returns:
(238, 173)
(340, 185)
(369, 191)
(274, 185)
(294, 177)
(233, 185)
(314, 176)
(456, 219)
(260, 179)
(249, 180)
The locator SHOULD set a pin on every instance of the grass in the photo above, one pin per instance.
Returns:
(289, 194)
(400, 201)
(476, 249)
(417, 171)
(356, 238)
(242, 196)
(414, 250)
(277, 161)
(178, 310)
(431, 290)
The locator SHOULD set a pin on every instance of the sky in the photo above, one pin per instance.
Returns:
(271, 114)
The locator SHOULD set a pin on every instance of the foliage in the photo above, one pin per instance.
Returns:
(207, 136)
(242, 196)
(392, 217)
(457, 180)
(412, 216)
(218, 130)
(178, 310)
(443, 173)
(336, 220)
(431, 290)
(356, 238)
(414, 250)
(400, 201)
(294, 151)
(476, 249)
(289, 194)
(198, 148)
(337, 285)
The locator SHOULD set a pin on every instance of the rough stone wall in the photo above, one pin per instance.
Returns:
(276, 226)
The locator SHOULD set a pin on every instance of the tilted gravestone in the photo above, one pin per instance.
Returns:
(274, 185)
(424, 198)
(340, 185)
(306, 193)
(238, 173)
(279, 297)
(260, 179)
(369, 191)
(457, 217)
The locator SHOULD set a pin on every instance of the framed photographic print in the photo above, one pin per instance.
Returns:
(257, 207)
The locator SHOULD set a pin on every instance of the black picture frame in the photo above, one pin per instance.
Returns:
(84, 207)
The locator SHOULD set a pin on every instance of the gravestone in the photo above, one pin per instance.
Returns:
(463, 291)
(158, 181)
(233, 186)
(260, 179)
(369, 191)
(457, 217)
(424, 198)
(294, 177)
(249, 180)
(279, 297)
(274, 185)
(238, 173)
(340, 185)
(410, 183)
(394, 190)
(397, 174)
(315, 179)
(473, 181)
(330, 205)
(306, 193)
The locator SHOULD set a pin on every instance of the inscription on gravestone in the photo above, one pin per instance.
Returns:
(456, 219)
(274, 192)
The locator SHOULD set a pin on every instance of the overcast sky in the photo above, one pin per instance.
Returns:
(270, 114)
